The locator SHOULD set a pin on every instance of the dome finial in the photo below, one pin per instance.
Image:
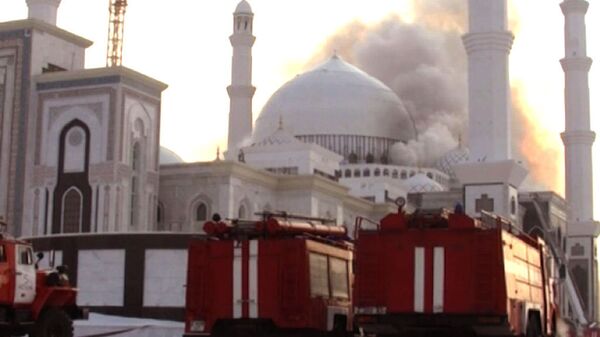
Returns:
(243, 8)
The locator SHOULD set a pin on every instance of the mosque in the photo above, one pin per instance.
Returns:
(80, 157)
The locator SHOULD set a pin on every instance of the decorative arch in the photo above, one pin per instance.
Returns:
(200, 211)
(244, 210)
(65, 202)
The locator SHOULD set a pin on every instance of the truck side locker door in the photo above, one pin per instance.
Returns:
(25, 275)
(6, 280)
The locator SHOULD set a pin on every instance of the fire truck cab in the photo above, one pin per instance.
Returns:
(35, 302)
(283, 274)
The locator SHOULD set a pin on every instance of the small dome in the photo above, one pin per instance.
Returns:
(167, 156)
(243, 8)
(454, 157)
(335, 99)
(420, 183)
(279, 137)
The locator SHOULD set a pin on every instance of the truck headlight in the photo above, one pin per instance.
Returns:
(197, 326)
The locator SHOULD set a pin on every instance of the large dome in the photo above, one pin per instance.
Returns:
(337, 99)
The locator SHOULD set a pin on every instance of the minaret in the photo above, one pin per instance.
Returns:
(490, 178)
(582, 231)
(44, 10)
(488, 44)
(577, 138)
(241, 90)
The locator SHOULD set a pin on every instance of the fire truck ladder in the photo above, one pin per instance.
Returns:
(573, 294)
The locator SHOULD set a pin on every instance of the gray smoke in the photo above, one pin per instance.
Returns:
(424, 63)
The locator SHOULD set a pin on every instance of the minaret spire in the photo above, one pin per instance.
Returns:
(241, 90)
(582, 230)
(44, 10)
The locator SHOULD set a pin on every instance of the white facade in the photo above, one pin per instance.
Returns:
(191, 193)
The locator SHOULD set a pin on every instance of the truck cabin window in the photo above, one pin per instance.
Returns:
(25, 255)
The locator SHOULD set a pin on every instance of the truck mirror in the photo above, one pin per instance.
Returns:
(39, 256)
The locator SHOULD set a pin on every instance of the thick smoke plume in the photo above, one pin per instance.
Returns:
(424, 62)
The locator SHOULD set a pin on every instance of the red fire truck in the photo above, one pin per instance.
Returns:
(282, 274)
(443, 273)
(40, 303)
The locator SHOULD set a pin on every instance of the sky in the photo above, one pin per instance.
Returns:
(184, 43)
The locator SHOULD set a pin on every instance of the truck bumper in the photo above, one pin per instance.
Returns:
(428, 324)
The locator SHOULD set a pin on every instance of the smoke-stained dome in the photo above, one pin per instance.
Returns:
(339, 107)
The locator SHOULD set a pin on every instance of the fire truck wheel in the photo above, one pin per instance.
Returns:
(54, 323)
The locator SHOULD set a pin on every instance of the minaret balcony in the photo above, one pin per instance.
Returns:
(578, 137)
(576, 64)
(574, 6)
(498, 41)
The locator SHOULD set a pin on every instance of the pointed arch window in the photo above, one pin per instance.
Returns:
(159, 214)
(72, 211)
(242, 212)
(201, 212)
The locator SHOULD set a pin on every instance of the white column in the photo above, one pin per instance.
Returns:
(577, 138)
(241, 90)
(44, 10)
(488, 46)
